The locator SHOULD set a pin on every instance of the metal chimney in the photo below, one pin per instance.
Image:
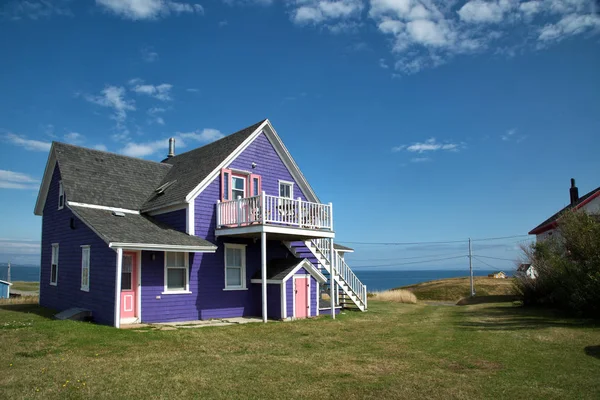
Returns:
(171, 148)
(574, 192)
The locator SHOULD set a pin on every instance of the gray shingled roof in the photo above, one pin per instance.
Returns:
(342, 248)
(279, 268)
(190, 168)
(98, 177)
(555, 217)
(136, 228)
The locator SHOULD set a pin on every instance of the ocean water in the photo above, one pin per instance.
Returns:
(27, 273)
(374, 279)
(383, 280)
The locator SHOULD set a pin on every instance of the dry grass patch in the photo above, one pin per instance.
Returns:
(398, 296)
(20, 300)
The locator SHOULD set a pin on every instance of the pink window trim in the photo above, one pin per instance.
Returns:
(223, 172)
(251, 184)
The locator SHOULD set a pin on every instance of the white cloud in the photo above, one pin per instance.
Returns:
(74, 138)
(478, 11)
(114, 97)
(100, 147)
(148, 9)
(154, 117)
(34, 9)
(337, 15)
(160, 92)
(205, 135)
(29, 144)
(149, 55)
(202, 136)
(427, 146)
(572, 24)
(17, 180)
(383, 64)
(512, 135)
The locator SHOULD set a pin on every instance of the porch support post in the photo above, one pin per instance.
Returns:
(263, 272)
(332, 270)
(118, 287)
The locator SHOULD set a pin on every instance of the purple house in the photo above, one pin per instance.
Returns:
(229, 229)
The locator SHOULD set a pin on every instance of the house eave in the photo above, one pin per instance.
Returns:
(163, 247)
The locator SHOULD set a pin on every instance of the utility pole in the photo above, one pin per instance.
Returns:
(471, 268)
(8, 272)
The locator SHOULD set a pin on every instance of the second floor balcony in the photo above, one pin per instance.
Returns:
(274, 214)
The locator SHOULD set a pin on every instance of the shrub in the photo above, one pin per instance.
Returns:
(398, 296)
(568, 267)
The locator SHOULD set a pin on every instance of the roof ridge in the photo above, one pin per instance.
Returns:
(111, 153)
(216, 141)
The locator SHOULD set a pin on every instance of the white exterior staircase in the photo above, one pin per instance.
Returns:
(353, 291)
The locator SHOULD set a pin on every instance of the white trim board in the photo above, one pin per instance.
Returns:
(163, 247)
(274, 229)
(46, 180)
(99, 207)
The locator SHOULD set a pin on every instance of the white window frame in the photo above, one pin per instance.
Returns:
(242, 247)
(55, 253)
(186, 261)
(61, 195)
(243, 179)
(85, 269)
(286, 183)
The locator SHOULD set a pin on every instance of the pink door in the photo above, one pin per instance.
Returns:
(129, 286)
(301, 297)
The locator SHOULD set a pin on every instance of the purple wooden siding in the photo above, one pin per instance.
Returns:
(268, 165)
(207, 272)
(327, 311)
(274, 301)
(56, 228)
(289, 297)
(176, 219)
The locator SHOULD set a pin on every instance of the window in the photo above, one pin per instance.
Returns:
(54, 265)
(61, 196)
(127, 272)
(238, 187)
(286, 189)
(85, 268)
(239, 184)
(235, 266)
(176, 272)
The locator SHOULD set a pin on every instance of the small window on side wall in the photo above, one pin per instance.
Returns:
(85, 268)
(286, 189)
(176, 272)
(235, 266)
(61, 196)
(54, 265)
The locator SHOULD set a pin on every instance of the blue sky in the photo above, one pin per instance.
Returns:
(420, 120)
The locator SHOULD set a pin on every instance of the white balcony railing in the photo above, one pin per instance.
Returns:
(272, 210)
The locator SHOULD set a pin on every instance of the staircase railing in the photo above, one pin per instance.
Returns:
(343, 270)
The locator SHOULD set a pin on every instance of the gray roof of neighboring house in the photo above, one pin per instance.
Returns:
(555, 217)
(341, 248)
(135, 228)
(190, 168)
(279, 268)
(113, 180)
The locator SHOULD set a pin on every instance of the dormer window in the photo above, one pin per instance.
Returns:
(61, 196)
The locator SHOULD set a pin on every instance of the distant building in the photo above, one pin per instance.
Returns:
(498, 275)
(590, 203)
(5, 289)
(527, 270)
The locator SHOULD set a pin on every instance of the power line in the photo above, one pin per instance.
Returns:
(408, 263)
(483, 262)
(497, 258)
(436, 242)
(403, 258)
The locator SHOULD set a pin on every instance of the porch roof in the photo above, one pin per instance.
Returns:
(140, 232)
(280, 269)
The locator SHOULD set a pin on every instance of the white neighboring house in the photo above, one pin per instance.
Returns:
(590, 203)
(528, 270)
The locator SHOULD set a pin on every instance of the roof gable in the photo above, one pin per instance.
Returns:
(550, 222)
(101, 178)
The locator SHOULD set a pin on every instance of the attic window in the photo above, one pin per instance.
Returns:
(161, 189)
(61, 196)
(118, 214)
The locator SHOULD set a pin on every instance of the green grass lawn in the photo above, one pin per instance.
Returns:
(392, 351)
(453, 289)
(26, 286)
